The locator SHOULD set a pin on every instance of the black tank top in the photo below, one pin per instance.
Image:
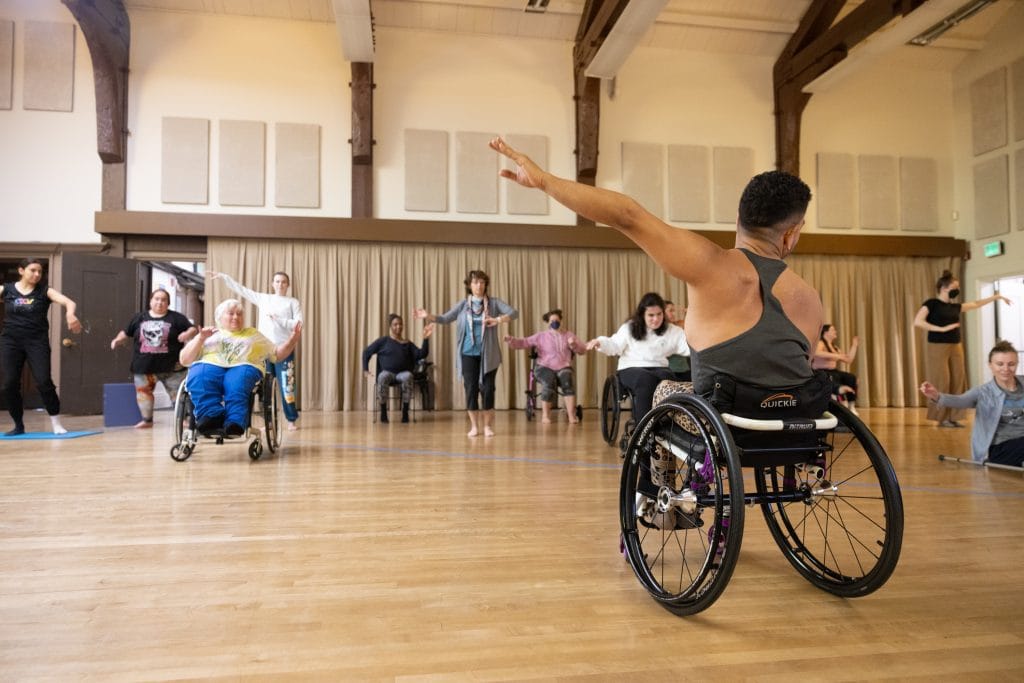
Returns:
(773, 353)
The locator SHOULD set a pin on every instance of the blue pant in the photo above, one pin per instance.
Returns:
(222, 392)
(288, 383)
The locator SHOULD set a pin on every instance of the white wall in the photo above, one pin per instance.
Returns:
(220, 67)
(1003, 48)
(49, 167)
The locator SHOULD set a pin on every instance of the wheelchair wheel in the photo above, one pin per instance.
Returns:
(579, 412)
(610, 409)
(846, 537)
(255, 449)
(681, 504)
(183, 426)
(270, 403)
(531, 405)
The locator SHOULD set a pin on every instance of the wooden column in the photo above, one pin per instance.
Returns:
(362, 139)
(107, 32)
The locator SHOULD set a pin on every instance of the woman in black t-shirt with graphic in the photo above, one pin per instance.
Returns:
(944, 353)
(26, 337)
(159, 334)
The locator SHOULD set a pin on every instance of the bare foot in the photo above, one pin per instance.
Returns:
(58, 428)
(145, 424)
(546, 421)
(472, 432)
(292, 427)
(488, 432)
(574, 420)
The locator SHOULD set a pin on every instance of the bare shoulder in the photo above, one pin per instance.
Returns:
(801, 302)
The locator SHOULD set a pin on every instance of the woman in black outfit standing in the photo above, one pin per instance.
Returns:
(944, 355)
(26, 337)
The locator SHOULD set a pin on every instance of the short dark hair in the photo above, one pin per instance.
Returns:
(161, 290)
(637, 324)
(945, 280)
(286, 276)
(553, 311)
(477, 275)
(772, 199)
(1002, 346)
(391, 319)
(26, 262)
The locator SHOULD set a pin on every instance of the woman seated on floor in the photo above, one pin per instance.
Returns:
(225, 363)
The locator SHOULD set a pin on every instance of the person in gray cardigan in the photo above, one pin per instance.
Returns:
(998, 433)
(478, 353)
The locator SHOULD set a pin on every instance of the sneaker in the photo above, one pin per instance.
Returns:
(950, 424)
(232, 429)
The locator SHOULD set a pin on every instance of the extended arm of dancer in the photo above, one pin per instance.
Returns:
(69, 309)
(284, 349)
(971, 305)
(194, 349)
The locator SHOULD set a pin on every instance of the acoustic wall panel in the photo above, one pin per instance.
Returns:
(6, 64)
(988, 112)
(518, 199)
(297, 177)
(919, 194)
(991, 198)
(642, 175)
(185, 161)
(1017, 79)
(426, 170)
(837, 190)
(49, 69)
(689, 183)
(242, 163)
(878, 200)
(734, 166)
(1019, 174)
(476, 174)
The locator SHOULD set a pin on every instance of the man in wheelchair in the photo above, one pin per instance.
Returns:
(225, 363)
(830, 500)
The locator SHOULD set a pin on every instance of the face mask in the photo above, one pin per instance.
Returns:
(555, 324)
(954, 293)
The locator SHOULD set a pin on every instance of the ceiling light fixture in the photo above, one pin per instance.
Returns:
(958, 17)
(537, 6)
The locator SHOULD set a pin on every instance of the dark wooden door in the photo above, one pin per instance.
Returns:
(106, 290)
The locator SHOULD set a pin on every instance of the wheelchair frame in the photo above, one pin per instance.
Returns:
(826, 489)
(187, 436)
(613, 394)
(531, 389)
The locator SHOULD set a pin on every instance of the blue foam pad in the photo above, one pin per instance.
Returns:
(49, 435)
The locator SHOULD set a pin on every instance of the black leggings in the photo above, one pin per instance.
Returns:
(13, 354)
(474, 386)
(641, 383)
(840, 378)
(1008, 452)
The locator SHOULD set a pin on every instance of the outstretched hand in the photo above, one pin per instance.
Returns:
(428, 330)
(929, 390)
(419, 313)
(526, 173)
(593, 344)
(73, 323)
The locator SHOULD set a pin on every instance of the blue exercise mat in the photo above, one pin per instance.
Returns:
(49, 435)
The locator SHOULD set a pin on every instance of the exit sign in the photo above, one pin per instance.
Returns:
(993, 249)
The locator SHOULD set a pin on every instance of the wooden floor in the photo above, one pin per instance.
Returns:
(411, 552)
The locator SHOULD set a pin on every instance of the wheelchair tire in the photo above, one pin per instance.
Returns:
(681, 504)
(255, 449)
(579, 413)
(183, 426)
(847, 540)
(270, 405)
(610, 409)
(531, 406)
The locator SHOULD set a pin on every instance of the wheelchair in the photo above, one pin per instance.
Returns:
(826, 489)
(531, 390)
(615, 398)
(264, 402)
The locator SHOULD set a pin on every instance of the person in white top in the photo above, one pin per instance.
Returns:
(643, 345)
(279, 314)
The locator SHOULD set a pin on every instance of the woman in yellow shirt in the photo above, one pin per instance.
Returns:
(225, 363)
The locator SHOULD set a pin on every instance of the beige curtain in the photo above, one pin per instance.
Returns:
(348, 288)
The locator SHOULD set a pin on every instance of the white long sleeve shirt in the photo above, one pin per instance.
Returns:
(650, 352)
(285, 310)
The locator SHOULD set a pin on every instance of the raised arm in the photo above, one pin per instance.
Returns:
(971, 305)
(191, 352)
(681, 253)
(69, 309)
(249, 295)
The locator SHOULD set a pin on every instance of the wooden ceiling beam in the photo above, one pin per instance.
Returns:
(815, 47)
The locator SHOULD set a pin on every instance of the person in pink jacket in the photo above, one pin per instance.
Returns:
(555, 347)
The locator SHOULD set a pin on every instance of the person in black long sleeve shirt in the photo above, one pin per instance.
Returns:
(396, 359)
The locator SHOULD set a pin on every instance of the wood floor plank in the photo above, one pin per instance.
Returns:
(413, 553)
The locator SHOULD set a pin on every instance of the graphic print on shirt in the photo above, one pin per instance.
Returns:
(24, 301)
(153, 336)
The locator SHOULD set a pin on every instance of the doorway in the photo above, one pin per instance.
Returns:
(1001, 321)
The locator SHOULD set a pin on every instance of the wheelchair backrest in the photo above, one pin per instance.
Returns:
(808, 400)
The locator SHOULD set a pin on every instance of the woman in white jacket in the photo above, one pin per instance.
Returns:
(643, 345)
(278, 316)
